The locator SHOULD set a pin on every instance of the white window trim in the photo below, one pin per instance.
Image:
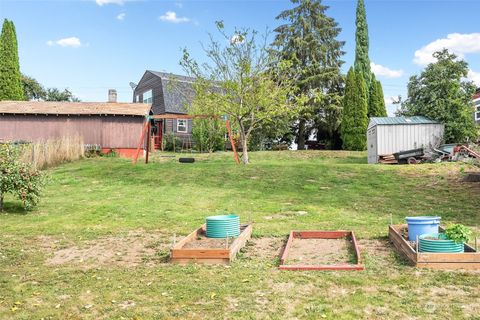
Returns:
(186, 125)
(151, 96)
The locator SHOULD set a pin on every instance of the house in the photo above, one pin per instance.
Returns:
(476, 105)
(110, 125)
(388, 135)
(168, 94)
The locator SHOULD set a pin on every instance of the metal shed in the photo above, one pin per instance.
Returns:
(388, 135)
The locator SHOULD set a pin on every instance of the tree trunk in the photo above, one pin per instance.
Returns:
(301, 134)
(243, 139)
(1, 202)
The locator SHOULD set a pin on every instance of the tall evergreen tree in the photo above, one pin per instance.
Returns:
(362, 61)
(308, 40)
(10, 78)
(376, 103)
(355, 113)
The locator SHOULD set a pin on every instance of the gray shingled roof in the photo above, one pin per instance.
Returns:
(178, 91)
(400, 120)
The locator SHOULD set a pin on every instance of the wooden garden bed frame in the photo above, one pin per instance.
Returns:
(182, 255)
(468, 260)
(321, 235)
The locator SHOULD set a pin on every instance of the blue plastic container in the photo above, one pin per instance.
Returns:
(422, 225)
(223, 226)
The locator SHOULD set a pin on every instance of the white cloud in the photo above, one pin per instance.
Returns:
(171, 16)
(474, 76)
(237, 38)
(179, 4)
(73, 42)
(380, 70)
(103, 2)
(121, 16)
(458, 43)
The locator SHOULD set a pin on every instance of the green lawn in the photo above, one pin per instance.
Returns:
(96, 247)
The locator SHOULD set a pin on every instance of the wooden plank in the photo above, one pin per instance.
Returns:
(450, 265)
(201, 253)
(333, 267)
(240, 241)
(287, 248)
(320, 234)
(355, 247)
(203, 261)
(449, 257)
(190, 237)
(401, 244)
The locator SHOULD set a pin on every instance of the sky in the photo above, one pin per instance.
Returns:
(90, 46)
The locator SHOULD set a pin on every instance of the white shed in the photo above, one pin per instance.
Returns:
(389, 135)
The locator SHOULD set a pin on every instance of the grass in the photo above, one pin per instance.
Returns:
(94, 200)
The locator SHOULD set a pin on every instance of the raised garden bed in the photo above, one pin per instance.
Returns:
(197, 248)
(321, 250)
(470, 259)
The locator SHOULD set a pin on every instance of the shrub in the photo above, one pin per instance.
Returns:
(19, 178)
(171, 142)
(458, 233)
(208, 135)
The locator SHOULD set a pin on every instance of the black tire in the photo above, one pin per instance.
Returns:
(186, 160)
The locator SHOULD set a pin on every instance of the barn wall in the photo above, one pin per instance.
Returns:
(107, 131)
(396, 138)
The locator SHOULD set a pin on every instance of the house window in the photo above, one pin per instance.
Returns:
(478, 116)
(477, 102)
(181, 125)
(137, 98)
(147, 97)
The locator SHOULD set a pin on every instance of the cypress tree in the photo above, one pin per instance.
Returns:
(355, 113)
(362, 61)
(377, 102)
(10, 77)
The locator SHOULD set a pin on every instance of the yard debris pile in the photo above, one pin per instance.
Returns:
(445, 152)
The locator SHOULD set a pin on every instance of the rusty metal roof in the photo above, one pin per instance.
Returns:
(74, 108)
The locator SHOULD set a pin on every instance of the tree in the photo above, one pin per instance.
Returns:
(10, 77)
(355, 109)
(377, 101)
(308, 40)
(32, 89)
(237, 82)
(441, 93)
(54, 94)
(362, 61)
(208, 135)
(18, 178)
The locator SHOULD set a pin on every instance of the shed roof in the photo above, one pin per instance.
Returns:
(400, 120)
(74, 108)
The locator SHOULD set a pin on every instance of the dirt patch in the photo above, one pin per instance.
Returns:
(319, 251)
(266, 248)
(133, 249)
(204, 242)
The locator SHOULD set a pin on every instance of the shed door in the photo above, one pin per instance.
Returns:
(372, 145)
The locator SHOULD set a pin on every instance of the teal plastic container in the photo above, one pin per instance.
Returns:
(223, 226)
(443, 244)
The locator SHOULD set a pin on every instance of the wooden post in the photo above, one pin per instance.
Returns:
(142, 140)
(227, 124)
(148, 142)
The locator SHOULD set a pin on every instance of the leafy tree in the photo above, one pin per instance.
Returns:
(18, 178)
(362, 61)
(10, 77)
(32, 89)
(377, 101)
(54, 94)
(355, 109)
(441, 93)
(208, 135)
(237, 82)
(308, 40)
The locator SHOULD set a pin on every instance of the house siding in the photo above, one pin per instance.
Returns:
(152, 82)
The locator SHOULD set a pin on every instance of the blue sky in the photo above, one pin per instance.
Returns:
(92, 45)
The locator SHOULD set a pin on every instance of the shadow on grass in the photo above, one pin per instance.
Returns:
(15, 208)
